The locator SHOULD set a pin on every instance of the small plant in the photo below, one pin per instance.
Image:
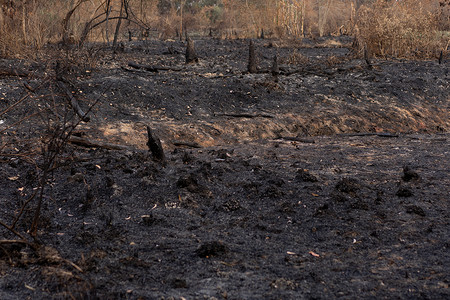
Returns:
(38, 139)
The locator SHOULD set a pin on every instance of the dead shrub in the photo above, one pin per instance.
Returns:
(406, 29)
(333, 60)
(295, 58)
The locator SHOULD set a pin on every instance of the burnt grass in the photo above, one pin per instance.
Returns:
(333, 182)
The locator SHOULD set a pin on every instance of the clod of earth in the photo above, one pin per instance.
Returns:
(210, 249)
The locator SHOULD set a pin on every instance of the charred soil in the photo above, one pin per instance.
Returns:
(330, 181)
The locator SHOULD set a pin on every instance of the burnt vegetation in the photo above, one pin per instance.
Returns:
(224, 149)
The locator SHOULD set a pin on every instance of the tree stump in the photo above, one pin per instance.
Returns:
(366, 58)
(251, 58)
(191, 55)
(155, 147)
(275, 69)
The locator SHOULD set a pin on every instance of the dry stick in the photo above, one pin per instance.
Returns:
(23, 208)
(18, 122)
(14, 231)
(13, 242)
(14, 105)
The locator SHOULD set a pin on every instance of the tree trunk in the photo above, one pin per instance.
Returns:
(119, 22)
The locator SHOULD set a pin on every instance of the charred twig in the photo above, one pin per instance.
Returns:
(73, 102)
(15, 232)
(14, 105)
(23, 208)
(18, 122)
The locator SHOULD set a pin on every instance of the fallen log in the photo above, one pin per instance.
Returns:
(145, 67)
(380, 134)
(11, 71)
(151, 68)
(297, 139)
(97, 144)
(248, 115)
(186, 144)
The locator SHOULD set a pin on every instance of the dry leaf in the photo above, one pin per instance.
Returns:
(314, 254)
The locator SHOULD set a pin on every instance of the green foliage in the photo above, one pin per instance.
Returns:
(214, 14)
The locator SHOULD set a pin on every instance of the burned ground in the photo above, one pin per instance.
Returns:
(331, 183)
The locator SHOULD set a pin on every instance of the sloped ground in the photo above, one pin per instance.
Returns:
(298, 188)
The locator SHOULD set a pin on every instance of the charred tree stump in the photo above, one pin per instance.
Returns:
(367, 59)
(441, 57)
(262, 34)
(155, 147)
(191, 55)
(275, 69)
(251, 58)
